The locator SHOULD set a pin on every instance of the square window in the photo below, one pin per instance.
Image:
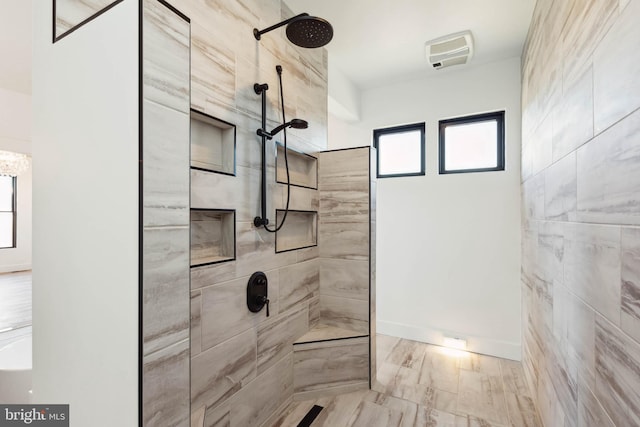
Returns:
(472, 143)
(400, 150)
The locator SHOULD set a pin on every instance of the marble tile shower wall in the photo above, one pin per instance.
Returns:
(581, 212)
(242, 363)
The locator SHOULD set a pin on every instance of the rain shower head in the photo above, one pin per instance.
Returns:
(303, 30)
(294, 123)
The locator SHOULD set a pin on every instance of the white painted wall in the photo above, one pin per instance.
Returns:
(448, 245)
(15, 135)
(85, 223)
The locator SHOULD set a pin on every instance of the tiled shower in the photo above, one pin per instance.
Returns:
(313, 339)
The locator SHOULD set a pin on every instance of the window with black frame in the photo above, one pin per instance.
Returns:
(7, 212)
(472, 143)
(400, 150)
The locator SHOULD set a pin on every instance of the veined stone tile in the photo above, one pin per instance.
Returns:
(219, 416)
(197, 417)
(369, 414)
(340, 167)
(630, 320)
(221, 371)
(165, 287)
(345, 313)
(196, 325)
(560, 189)
(344, 278)
(587, 22)
(344, 240)
(299, 283)
(592, 266)
(617, 374)
(213, 66)
(166, 386)
(573, 117)
(533, 197)
(479, 397)
(320, 366)
(276, 337)
(209, 275)
(542, 145)
(590, 412)
(166, 65)
(314, 312)
(440, 372)
(228, 301)
(581, 337)
(608, 170)
(70, 13)
(514, 379)
(616, 89)
(252, 405)
(165, 166)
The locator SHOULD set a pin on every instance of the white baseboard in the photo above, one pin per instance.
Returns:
(14, 268)
(483, 345)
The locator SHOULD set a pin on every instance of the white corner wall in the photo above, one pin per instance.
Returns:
(85, 222)
(15, 135)
(448, 245)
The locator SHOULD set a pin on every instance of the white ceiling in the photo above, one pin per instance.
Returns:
(376, 41)
(15, 45)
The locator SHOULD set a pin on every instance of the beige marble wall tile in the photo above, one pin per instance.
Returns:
(616, 89)
(581, 338)
(319, 366)
(344, 278)
(608, 168)
(314, 312)
(276, 337)
(165, 166)
(219, 416)
(344, 240)
(592, 266)
(299, 283)
(560, 190)
(590, 412)
(165, 386)
(345, 313)
(252, 405)
(617, 368)
(221, 371)
(228, 302)
(166, 283)
(630, 320)
(166, 63)
(196, 325)
(197, 417)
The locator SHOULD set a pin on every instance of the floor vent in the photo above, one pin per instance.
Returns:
(311, 416)
(454, 49)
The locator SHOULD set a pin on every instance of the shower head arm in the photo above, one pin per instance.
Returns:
(257, 33)
(296, 123)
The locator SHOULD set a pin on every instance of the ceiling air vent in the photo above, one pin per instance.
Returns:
(454, 49)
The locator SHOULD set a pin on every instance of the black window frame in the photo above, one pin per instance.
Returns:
(14, 209)
(401, 129)
(500, 142)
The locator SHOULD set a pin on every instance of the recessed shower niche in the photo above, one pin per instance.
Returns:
(213, 144)
(212, 236)
(299, 231)
(303, 168)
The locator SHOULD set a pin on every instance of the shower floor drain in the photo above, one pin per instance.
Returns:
(311, 416)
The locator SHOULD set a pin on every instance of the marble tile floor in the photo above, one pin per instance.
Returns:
(15, 306)
(426, 385)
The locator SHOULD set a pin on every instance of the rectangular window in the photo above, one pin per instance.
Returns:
(472, 143)
(7, 212)
(400, 150)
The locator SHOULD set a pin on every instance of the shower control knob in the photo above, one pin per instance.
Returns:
(257, 295)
